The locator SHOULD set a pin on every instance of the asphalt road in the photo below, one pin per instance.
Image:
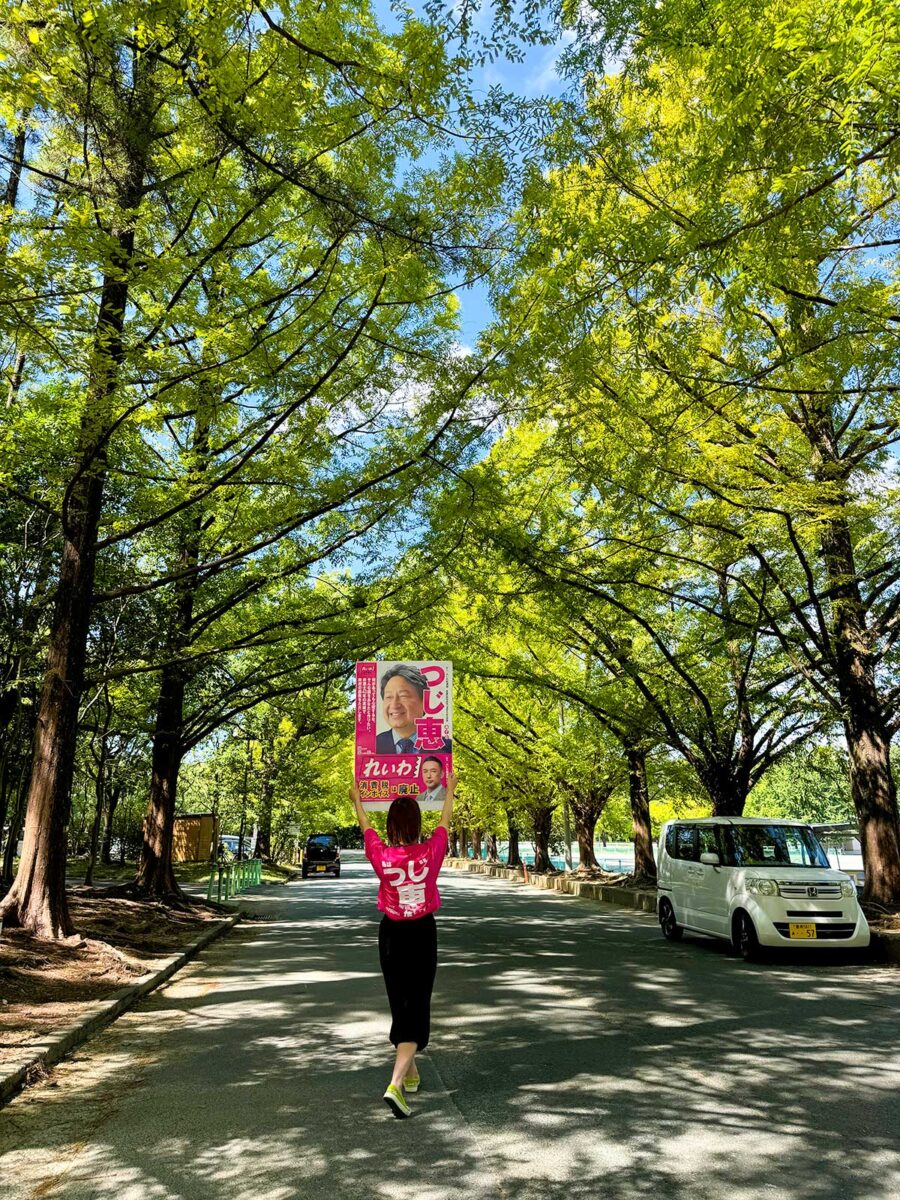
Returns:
(575, 1054)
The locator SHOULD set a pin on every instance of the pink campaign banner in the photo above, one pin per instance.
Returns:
(404, 731)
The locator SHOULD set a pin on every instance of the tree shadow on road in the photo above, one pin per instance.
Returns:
(575, 1055)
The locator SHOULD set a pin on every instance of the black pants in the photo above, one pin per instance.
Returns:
(408, 954)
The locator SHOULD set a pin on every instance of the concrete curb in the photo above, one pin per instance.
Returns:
(39, 1055)
(885, 946)
(643, 899)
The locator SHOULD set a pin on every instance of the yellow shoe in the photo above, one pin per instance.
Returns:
(411, 1083)
(396, 1102)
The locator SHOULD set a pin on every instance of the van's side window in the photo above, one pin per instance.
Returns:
(686, 842)
(706, 835)
(670, 842)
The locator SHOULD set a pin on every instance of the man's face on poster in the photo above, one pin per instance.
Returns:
(431, 774)
(402, 705)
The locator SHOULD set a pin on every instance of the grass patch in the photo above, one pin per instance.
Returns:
(195, 872)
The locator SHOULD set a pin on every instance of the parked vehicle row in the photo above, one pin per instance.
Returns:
(755, 882)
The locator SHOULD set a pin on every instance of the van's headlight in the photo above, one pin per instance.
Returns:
(763, 887)
(848, 888)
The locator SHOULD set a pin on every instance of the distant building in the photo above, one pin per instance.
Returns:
(196, 837)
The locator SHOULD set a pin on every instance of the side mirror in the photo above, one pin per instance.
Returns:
(710, 859)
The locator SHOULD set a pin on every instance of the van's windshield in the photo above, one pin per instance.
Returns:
(773, 846)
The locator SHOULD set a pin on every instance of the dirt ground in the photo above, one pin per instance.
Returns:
(880, 921)
(44, 986)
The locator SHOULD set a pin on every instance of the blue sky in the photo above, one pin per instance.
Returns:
(534, 76)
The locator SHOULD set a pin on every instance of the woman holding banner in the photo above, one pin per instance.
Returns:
(407, 936)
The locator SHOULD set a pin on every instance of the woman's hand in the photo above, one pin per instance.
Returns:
(447, 810)
(361, 814)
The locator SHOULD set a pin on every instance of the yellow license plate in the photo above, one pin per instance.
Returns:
(806, 930)
(322, 869)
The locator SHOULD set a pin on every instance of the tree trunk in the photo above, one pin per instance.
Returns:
(584, 833)
(155, 875)
(11, 199)
(16, 162)
(15, 379)
(585, 824)
(638, 794)
(587, 810)
(78, 835)
(492, 855)
(9, 703)
(37, 899)
(15, 828)
(106, 848)
(513, 858)
(454, 844)
(99, 791)
(542, 824)
(267, 793)
(875, 797)
(98, 818)
(727, 792)
(854, 663)
(740, 762)
(476, 844)
(868, 742)
(5, 792)
(464, 843)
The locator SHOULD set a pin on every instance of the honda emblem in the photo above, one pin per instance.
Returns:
(811, 891)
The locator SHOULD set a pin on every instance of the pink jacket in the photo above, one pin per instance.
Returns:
(408, 874)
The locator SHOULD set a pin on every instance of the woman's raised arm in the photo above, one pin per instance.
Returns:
(447, 810)
(361, 815)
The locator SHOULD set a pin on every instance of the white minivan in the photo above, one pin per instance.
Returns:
(755, 882)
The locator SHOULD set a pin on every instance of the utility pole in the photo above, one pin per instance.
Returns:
(568, 834)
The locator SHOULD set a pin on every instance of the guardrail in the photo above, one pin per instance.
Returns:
(227, 879)
(615, 864)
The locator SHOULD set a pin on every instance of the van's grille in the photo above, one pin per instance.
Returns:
(810, 891)
(823, 932)
(814, 912)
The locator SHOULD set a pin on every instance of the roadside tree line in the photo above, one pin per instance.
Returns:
(688, 529)
(229, 241)
(652, 516)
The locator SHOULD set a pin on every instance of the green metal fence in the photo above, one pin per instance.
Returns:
(227, 879)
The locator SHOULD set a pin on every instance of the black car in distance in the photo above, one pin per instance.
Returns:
(321, 856)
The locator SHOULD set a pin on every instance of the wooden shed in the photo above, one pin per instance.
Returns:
(196, 837)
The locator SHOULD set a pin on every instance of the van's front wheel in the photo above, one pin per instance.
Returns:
(743, 937)
(672, 931)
